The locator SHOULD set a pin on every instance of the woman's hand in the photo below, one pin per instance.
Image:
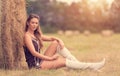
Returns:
(61, 44)
(54, 57)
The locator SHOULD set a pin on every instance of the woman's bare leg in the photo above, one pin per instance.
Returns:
(51, 50)
(59, 62)
(54, 64)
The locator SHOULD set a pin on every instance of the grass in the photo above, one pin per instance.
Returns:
(86, 48)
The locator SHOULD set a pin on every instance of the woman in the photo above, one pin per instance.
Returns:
(33, 39)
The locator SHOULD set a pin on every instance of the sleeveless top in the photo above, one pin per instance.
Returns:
(32, 61)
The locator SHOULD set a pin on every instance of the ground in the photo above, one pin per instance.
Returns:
(90, 48)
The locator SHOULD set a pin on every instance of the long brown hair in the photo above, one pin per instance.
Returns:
(38, 31)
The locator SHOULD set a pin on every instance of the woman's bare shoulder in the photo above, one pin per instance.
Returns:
(26, 35)
(26, 38)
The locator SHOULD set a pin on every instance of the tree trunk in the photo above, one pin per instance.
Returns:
(0, 39)
(12, 18)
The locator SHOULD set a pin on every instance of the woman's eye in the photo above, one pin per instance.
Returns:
(32, 22)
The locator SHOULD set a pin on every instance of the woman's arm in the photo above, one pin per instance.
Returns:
(47, 38)
(29, 45)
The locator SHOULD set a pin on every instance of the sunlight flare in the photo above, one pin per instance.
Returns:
(109, 1)
(93, 0)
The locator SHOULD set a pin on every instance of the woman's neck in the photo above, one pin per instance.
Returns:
(31, 32)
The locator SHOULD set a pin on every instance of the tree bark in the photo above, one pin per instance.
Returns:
(0, 39)
(13, 16)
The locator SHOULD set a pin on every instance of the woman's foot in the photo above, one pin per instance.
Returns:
(97, 66)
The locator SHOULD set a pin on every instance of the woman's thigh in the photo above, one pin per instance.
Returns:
(51, 50)
(60, 62)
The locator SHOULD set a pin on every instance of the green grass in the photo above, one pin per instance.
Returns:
(86, 48)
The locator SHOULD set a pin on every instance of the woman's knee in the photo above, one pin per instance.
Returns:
(61, 60)
(54, 42)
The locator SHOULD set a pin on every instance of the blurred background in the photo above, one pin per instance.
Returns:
(90, 29)
(82, 15)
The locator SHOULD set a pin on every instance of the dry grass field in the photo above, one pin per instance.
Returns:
(90, 48)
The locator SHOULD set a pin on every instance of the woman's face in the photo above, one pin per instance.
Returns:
(33, 24)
